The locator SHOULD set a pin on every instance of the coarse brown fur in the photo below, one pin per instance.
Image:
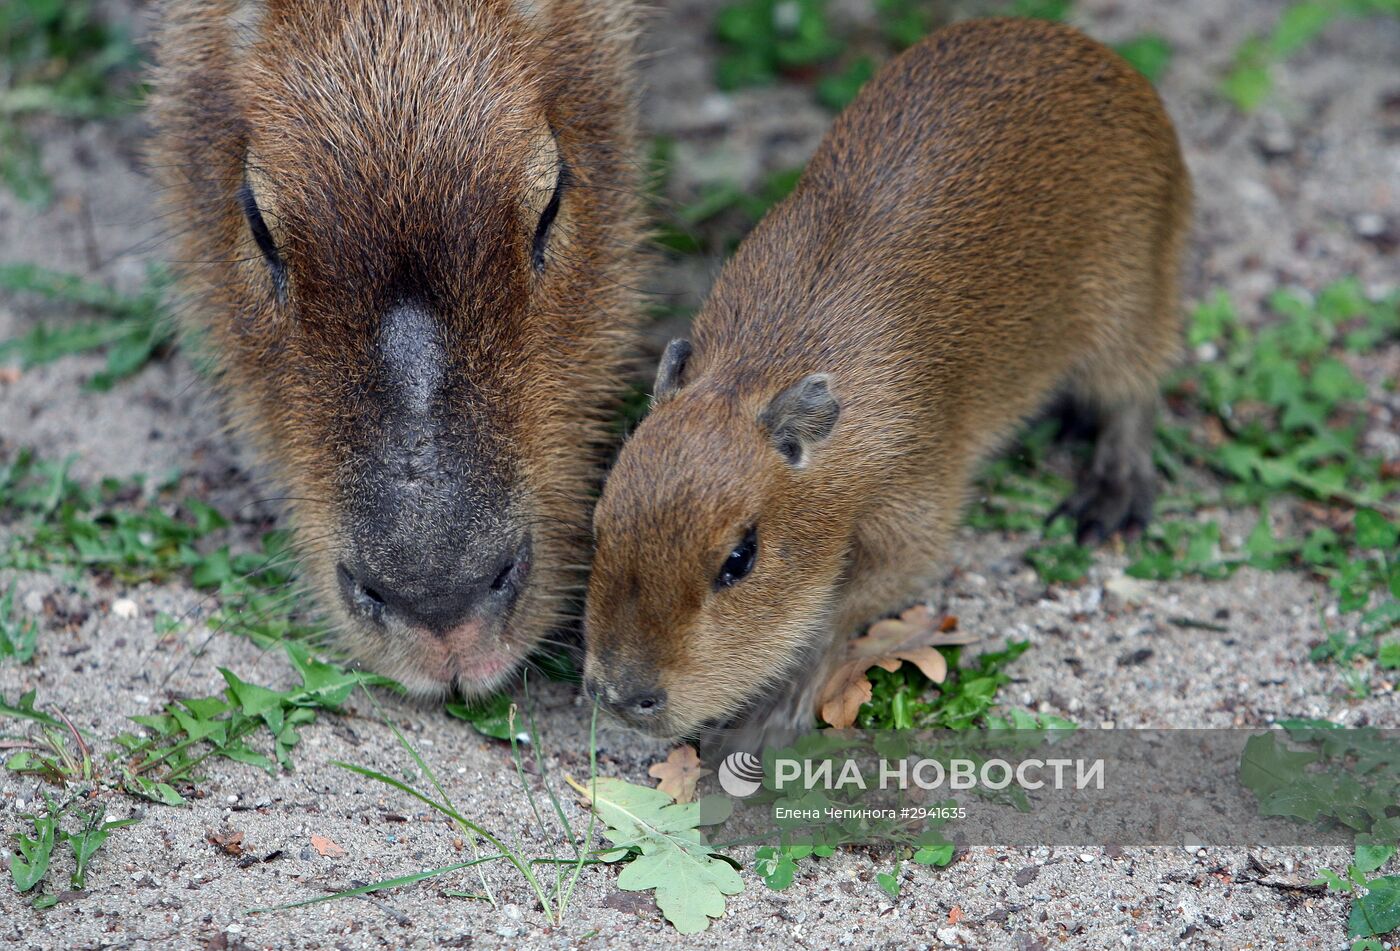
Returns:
(401, 152)
(998, 218)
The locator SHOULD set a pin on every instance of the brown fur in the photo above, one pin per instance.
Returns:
(394, 147)
(998, 217)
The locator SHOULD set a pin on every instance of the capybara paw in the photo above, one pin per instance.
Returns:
(1104, 505)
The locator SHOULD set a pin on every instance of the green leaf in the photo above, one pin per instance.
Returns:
(24, 710)
(1266, 767)
(836, 91)
(1299, 24)
(1371, 857)
(18, 636)
(213, 570)
(1332, 880)
(1248, 86)
(776, 866)
(673, 857)
(162, 793)
(1378, 911)
(490, 717)
(1388, 656)
(326, 685)
(252, 699)
(1149, 54)
(30, 862)
(1212, 319)
(89, 839)
(1374, 530)
(939, 855)
(888, 882)
(1060, 562)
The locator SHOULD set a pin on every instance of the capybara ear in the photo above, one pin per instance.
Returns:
(800, 417)
(672, 368)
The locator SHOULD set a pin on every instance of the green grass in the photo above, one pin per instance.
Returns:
(135, 530)
(555, 896)
(1348, 778)
(132, 330)
(767, 41)
(31, 862)
(715, 220)
(1271, 415)
(173, 744)
(18, 634)
(1249, 82)
(901, 699)
(766, 38)
(57, 58)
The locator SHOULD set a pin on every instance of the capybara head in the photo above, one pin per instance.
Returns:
(410, 230)
(715, 561)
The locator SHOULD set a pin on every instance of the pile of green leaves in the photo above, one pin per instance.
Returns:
(901, 699)
(56, 752)
(1289, 407)
(191, 731)
(132, 329)
(29, 864)
(57, 57)
(1250, 80)
(765, 38)
(1346, 777)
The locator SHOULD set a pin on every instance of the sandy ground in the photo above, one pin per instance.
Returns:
(1284, 197)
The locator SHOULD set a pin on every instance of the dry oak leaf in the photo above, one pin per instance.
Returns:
(679, 773)
(326, 848)
(230, 842)
(914, 636)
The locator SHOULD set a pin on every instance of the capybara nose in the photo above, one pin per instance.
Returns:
(436, 602)
(636, 705)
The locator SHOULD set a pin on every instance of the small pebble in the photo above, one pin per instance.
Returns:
(1368, 224)
(125, 608)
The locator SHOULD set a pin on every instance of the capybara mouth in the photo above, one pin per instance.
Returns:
(473, 659)
(435, 650)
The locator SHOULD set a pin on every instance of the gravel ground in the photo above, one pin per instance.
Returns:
(1303, 192)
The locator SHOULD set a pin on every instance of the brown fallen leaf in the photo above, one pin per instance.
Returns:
(9, 375)
(679, 773)
(955, 915)
(914, 636)
(230, 843)
(326, 848)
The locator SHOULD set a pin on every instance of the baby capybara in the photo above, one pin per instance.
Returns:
(998, 218)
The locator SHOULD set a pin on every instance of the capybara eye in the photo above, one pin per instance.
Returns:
(547, 217)
(740, 561)
(262, 235)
